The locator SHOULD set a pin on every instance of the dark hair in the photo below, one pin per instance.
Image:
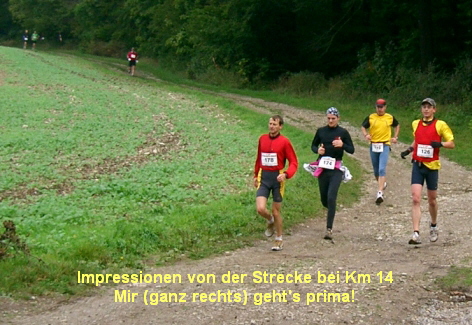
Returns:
(279, 118)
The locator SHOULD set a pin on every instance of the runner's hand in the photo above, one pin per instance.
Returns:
(281, 177)
(436, 144)
(406, 152)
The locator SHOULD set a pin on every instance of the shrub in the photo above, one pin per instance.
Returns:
(302, 83)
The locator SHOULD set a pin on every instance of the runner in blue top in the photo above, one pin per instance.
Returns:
(25, 39)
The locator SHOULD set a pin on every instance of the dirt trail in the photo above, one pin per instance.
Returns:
(367, 239)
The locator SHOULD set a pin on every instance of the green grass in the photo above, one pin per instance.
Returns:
(457, 279)
(102, 172)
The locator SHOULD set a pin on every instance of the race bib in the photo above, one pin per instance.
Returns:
(377, 147)
(269, 159)
(133, 56)
(425, 151)
(327, 162)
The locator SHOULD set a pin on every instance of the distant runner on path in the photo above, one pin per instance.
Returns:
(34, 39)
(25, 39)
(132, 59)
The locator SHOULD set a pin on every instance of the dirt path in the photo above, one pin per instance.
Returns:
(368, 239)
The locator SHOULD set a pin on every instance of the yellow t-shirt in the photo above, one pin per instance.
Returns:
(380, 127)
(444, 132)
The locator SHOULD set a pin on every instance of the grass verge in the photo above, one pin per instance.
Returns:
(457, 279)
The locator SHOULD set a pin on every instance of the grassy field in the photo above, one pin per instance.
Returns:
(102, 172)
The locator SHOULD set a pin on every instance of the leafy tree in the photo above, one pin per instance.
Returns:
(48, 17)
(7, 27)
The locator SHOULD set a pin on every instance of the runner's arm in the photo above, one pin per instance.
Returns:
(292, 160)
(447, 136)
(316, 142)
(257, 164)
(348, 146)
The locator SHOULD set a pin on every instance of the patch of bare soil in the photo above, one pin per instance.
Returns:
(3, 75)
(368, 239)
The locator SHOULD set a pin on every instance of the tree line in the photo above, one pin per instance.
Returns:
(259, 39)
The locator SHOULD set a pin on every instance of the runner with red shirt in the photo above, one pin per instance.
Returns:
(269, 176)
(430, 135)
(132, 59)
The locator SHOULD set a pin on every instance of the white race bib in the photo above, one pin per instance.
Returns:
(377, 147)
(133, 56)
(327, 162)
(425, 151)
(269, 159)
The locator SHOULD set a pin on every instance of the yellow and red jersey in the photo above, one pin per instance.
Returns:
(424, 134)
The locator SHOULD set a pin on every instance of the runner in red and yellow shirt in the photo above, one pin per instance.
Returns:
(430, 135)
(269, 176)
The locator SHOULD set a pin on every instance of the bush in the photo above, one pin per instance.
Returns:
(221, 77)
(302, 83)
(383, 74)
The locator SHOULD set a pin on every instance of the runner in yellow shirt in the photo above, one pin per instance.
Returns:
(377, 129)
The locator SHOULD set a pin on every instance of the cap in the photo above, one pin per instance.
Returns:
(381, 101)
(332, 110)
(430, 101)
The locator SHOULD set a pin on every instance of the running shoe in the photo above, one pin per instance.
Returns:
(278, 245)
(270, 229)
(433, 234)
(329, 234)
(380, 198)
(415, 239)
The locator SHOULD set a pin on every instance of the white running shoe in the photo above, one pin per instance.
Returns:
(270, 229)
(329, 234)
(433, 233)
(278, 245)
(380, 198)
(415, 239)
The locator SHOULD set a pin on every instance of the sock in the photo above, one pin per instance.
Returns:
(271, 220)
(417, 231)
(433, 225)
(278, 238)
